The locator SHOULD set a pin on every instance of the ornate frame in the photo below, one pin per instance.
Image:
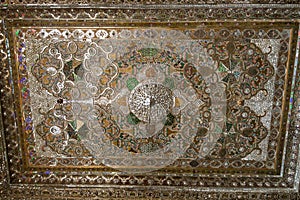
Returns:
(19, 182)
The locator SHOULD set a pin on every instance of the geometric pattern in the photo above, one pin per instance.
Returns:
(100, 102)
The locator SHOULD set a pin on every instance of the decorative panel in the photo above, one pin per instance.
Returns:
(149, 100)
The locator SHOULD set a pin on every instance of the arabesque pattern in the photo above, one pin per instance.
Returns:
(150, 100)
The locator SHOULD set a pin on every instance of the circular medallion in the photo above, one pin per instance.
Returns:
(151, 102)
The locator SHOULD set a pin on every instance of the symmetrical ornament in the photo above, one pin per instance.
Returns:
(96, 97)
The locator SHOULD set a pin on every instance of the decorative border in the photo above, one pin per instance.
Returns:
(112, 186)
(151, 2)
(151, 13)
(132, 193)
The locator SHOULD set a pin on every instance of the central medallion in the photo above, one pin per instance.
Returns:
(151, 102)
(149, 106)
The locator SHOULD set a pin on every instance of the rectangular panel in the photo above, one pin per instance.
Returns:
(208, 97)
(200, 105)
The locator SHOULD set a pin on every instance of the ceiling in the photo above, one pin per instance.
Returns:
(149, 99)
